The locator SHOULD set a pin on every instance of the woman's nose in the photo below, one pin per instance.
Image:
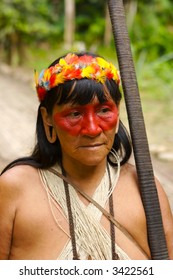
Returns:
(91, 126)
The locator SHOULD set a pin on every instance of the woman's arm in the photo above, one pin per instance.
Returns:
(7, 215)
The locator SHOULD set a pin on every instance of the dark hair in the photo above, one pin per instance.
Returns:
(46, 154)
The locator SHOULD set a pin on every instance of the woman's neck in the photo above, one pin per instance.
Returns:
(87, 178)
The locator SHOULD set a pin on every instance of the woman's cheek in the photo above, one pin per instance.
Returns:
(71, 126)
(109, 122)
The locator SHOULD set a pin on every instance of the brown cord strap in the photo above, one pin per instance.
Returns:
(108, 215)
(112, 228)
(71, 223)
(70, 216)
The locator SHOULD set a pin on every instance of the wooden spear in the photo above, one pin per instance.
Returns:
(156, 235)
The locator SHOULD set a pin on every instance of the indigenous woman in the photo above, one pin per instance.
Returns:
(77, 196)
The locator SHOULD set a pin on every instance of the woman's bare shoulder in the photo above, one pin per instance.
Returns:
(128, 173)
(129, 180)
(15, 171)
(14, 183)
(17, 176)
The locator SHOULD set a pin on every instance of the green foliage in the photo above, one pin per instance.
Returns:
(90, 21)
(41, 24)
(155, 78)
(152, 36)
(29, 18)
(152, 30)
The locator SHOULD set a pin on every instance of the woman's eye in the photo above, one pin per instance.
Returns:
(104, 110)
(74, 114)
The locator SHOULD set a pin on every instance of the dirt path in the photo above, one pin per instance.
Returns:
(18, 107)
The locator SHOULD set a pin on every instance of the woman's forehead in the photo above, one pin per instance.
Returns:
(83, 93)
(80, 99)
(95, 103)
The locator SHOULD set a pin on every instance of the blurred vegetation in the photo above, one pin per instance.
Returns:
(32, 35)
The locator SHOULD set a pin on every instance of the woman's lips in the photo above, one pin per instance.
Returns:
(93, 146)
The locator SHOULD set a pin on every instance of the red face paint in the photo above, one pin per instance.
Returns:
(90, 119)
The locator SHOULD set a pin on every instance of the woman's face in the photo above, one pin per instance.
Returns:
(86, 132)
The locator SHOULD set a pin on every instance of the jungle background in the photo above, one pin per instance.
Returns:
(33, 33)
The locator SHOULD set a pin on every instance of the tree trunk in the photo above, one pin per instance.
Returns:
(108, 29)
(20, 50)
(69, 23)
(131, 9)
(10, 48)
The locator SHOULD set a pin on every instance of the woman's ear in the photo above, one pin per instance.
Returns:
(48, 126)
(117, 125)
(118, 120)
